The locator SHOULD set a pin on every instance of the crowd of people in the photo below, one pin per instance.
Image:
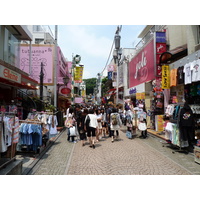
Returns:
(92, 123)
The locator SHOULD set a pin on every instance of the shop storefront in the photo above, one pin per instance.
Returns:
(180, 85)
(12, 80)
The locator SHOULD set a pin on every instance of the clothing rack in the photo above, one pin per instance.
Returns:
(30, 121)
(12, 157)
(175, 121)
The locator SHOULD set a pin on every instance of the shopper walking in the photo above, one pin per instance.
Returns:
(91, 125)
(108, 113)
(80, 125)
(142, 126)
(115, 124)
(104, 123)
(99, 120)
(71, 129)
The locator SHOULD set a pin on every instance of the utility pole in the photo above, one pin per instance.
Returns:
(41, 85)
(55, 68)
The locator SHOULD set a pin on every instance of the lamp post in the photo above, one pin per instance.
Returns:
(117, 56)
(41, 84)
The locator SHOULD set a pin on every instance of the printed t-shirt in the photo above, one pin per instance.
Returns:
(180, 75)
(188, 73)
(173, 77)
(195, 67)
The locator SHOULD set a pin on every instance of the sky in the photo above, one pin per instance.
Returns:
(93, 43)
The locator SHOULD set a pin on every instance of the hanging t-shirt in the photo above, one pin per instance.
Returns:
(195, 67)
(188, 73)
(173, 77)
(180, 75)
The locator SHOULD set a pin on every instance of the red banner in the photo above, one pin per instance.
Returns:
(141, 67)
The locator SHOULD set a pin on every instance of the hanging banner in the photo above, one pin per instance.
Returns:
(110, 75)
(161, 47)
(165, 77)
(78, 74)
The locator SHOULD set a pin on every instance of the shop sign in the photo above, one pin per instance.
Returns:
(132, 91)
(140, 95)
(161, 47)
(165, 77)
(10, 74)
(110, 75)
(141, 67)
(78, 74)
(39, 54)
(161, 37)
(65, 91)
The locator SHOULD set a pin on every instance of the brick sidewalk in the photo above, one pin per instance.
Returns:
(123, 157)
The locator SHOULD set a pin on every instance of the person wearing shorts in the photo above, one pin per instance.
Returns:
(92, 128)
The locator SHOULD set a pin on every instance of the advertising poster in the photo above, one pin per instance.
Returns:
(40, 54)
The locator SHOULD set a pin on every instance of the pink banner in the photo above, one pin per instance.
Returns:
(141, 67)
(40, 54)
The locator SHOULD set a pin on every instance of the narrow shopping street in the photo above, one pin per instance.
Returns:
(124, 157)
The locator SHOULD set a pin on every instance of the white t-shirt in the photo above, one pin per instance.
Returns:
(188, 73)
(195, 67)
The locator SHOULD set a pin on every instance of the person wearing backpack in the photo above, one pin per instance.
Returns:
(115, 123)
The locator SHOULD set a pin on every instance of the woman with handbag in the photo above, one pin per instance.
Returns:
(70, 125)
(142, 117)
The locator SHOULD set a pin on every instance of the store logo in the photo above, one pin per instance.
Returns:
(8, 74)
(141, 68)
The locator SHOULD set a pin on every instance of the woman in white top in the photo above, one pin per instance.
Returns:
(91, 128)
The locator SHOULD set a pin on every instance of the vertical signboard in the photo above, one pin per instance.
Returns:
(165, 77)
(160, 48)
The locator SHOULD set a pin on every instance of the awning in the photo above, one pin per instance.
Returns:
(26, 83)
(111, 92)
(16, 78)
(173, 55)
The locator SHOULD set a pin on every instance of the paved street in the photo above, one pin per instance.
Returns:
(123, 157)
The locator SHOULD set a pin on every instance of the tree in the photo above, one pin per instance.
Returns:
(90, 85)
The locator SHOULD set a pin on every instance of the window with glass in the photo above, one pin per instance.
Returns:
(11, 48)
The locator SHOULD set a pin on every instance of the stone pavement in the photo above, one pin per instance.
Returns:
(123, 157)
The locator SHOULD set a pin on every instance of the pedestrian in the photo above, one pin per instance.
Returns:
(99, 120)
(142, 126)
(70, 125)
(91, 125)
(80, 125)
(115, 124)
(108, 113)
(104, 123)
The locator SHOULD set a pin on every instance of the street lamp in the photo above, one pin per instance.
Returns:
(117, 56)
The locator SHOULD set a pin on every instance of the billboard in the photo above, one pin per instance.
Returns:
(141, 67)
(40, 54)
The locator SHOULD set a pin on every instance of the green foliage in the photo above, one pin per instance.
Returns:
(90, 85)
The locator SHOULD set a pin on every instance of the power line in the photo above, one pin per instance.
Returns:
(119, 28)
(109, 56)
